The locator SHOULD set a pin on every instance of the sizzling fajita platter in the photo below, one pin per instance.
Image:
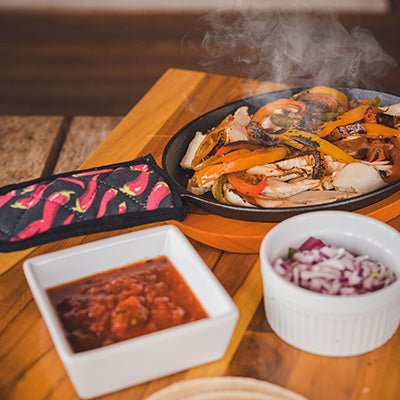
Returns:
(271, 156)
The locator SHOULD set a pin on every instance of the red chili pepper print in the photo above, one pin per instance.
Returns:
(108, 196)
(32, 200)
(5, 198)
(50, 208)
(139, 167)
(30, 188)
(85, 201)
(72, 180)
(159, 192)
(122, 208)
(90, 173)
(69, 219)
(33, 228)
(53, 203)
(137, 186)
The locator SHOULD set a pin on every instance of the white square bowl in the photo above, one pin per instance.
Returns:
(130, 362)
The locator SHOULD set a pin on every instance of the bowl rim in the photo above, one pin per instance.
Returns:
(267, 270)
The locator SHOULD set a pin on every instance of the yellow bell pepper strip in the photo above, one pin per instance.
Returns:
(238, 145)
(239, 160)
(337, 94)
(290, 108)
(370, 102)
(226, 150)
(349, 117)
(213, 141)
(378, 131)
(314, 141)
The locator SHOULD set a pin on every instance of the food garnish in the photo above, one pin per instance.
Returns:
(295, 151)
(328, 269)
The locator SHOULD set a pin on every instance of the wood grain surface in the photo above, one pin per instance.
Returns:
(29, 365)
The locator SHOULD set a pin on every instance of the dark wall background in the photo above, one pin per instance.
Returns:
(102, 64)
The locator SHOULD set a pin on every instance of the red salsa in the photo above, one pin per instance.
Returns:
(124, 303)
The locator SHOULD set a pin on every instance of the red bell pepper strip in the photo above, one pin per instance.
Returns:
(370, 116)
(32, 200)
(376, 155)
(50, 208)
(5, 198)
(264, 112)
(138, 185)
(159, 192)
(122, 208)
(108, 196)
(248, 184)
(85, 201)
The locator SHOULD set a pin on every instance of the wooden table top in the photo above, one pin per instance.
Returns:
(37, 146)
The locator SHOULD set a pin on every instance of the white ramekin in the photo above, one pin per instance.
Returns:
(327, 324)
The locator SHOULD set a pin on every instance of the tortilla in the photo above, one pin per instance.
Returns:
(224, 388)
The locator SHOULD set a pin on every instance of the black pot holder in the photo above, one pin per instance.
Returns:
(86, 201)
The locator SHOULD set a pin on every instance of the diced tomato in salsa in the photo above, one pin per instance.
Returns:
(124, 303)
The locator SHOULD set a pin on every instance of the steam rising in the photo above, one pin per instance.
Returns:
(296, 49)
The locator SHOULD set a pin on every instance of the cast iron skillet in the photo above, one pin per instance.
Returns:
(176, 148)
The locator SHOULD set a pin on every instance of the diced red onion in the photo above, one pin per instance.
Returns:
(333, 270)
(311, 243)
